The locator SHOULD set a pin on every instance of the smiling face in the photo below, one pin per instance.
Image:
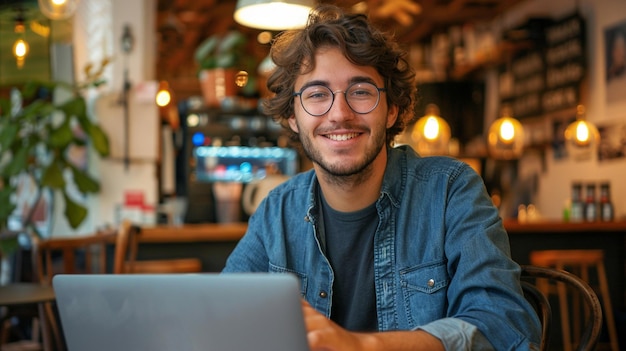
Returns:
(342, 142)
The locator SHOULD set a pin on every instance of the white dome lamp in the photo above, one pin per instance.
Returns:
(431, 133)
(581, 137)
(58, 9)
(506, 137)
(273, 14)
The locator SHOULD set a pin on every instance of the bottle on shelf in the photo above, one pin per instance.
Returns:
(607, 212)
(591, 206)
(576, 213)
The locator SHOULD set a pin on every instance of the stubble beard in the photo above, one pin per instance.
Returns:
(342, 173)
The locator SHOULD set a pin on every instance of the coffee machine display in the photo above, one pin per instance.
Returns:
(222, 153)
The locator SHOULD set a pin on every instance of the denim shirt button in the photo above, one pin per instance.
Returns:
(323, 294)
(431, 283)
(307, 219)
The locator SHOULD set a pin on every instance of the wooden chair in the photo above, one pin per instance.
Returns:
(126, 256)
(580, 263)
(68, 255)
(540, 303)
(32, 313)
(534, 276)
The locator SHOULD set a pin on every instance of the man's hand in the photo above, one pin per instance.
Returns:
(325, 335)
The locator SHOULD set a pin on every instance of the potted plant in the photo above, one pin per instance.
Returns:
(220, 57)
(36, 138)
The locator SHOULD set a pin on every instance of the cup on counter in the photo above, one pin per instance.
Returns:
(228, 201)
(174, 208)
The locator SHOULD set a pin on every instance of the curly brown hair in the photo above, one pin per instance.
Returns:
(293, 53)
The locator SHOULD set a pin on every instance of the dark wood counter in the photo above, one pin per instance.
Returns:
(548, 227)
(193, 233)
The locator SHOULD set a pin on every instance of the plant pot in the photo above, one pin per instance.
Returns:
(217, 84)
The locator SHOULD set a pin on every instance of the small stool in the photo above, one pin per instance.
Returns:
(577, 262)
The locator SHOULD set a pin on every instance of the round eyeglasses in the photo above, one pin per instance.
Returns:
(362, 97)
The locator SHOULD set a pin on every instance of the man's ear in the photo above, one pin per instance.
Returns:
(293, 124)
(392, 115)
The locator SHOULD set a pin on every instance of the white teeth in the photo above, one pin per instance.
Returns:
(341, 137)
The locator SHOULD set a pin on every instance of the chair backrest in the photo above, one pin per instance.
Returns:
(592, 325)
(540, 303)
(70, 255)
(126, 255)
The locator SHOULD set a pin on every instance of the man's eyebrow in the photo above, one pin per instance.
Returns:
(356, 79)
(362, 79)
(314, 82)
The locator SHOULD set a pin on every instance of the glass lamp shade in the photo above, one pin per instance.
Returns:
(431, 133)
(273, 14)
(163, 96)
(506, 138)
(58, 9)
(581, 139)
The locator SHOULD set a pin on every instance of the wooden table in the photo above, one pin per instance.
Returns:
(17, 294)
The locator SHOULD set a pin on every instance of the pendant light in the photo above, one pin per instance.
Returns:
(431, 133)
(505, 139)
(273, 14)
(58, 9)
(581, 137)
(20, 47)
(163, 96)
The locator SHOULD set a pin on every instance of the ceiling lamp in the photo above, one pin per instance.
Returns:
(163, 95)
(506, 137)
(581, 137)
(20, 47)
(273, 14)
(58, 9)
(20, 50)
(431, 133)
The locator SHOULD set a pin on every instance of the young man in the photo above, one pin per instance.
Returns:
(393, 251)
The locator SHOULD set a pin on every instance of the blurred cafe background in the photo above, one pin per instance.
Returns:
(173, 138)
(527, 67)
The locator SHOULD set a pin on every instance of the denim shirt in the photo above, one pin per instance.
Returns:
(441, 255)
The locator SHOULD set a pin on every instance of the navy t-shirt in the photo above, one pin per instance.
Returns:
(349, 242)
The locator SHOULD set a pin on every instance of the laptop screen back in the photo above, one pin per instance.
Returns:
(209, 312)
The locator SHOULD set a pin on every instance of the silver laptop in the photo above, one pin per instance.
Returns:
(182, 312)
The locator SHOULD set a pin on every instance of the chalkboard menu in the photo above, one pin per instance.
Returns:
(548, 77)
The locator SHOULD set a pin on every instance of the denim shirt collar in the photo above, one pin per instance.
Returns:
(391, 187)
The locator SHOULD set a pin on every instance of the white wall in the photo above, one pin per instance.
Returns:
(98, 27)
(555, 183)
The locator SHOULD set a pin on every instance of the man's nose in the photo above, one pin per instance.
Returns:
(340, 110)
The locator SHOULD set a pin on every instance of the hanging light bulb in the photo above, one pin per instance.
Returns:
(431, 133)
(506, 137)
(163, 96)
(581, 137)
(20, 50)
(58, 9)
(20, 47)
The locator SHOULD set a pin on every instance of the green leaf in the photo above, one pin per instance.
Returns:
(75, 213)
(8, 132)
(99, 140)
(84, 182)
(30, 89)
(53, 176)
(18, 164)
(8, 206)
(61, 137)
(74, 107)
(9, 245)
